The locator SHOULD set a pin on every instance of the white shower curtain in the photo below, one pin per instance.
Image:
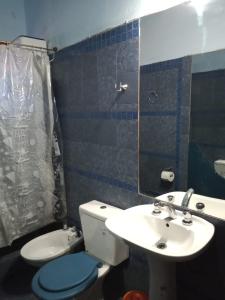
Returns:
(27, 185)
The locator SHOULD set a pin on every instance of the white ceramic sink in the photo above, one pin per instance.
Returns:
(137, 225)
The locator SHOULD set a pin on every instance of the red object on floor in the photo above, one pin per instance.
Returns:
(135, 295)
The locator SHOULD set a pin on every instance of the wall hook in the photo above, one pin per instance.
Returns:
(152, 96)
(122, 87)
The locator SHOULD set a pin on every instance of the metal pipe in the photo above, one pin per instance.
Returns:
(6, 43)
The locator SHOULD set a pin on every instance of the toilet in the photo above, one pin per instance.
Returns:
(80, 275)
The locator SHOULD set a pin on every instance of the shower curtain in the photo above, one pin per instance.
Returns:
(29, 153)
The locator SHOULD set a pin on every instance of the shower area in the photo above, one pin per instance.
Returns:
(32, 191)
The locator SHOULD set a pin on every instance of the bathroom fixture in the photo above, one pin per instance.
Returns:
(153, 95)
(170, 198)
(187, 197)
(200, 206)
(187, 220)
(167, 175)
(81, 275)
(171, 209)
(30, 42)
(219, 167)
(164, 242)
(51, 245)
(157, 208)
(122, 87)
(65, 226)
(138, 226)
(212, 206)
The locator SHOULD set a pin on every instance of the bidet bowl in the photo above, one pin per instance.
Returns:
(49, 246)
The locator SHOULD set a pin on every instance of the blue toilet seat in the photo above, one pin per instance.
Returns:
(65, 277)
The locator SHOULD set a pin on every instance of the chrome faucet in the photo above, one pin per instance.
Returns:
(187, 197)
(171, 210)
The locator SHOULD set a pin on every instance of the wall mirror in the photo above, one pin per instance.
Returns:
(182, 115)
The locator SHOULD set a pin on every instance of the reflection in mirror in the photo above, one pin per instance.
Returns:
(182, 129)
(182, 112)
(206, 167)
(164, 126)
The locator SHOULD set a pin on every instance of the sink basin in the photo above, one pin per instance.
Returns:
(170, 239)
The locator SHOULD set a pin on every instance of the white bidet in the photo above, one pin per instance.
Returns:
(50, 245)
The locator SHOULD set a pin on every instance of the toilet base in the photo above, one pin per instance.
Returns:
(95, 292)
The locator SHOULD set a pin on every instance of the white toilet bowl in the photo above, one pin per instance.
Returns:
(50, 245)
(80, 275)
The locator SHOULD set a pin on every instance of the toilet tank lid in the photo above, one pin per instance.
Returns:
(99, 210)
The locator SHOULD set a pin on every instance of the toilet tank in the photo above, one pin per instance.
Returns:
(98, 241)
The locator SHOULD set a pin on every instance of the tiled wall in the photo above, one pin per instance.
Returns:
(164, 124)
(100, 129)
(100, 135)
(207, 132)
(99, 124)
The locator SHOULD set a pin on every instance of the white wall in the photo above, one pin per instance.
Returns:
(65, 22)
(12, 19)
(171, 33)
(181, 31)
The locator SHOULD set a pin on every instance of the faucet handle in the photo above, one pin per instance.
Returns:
(170, 198)
(156, 203)
(65, 226)
(75, 231)
(200, 206)
(187, 220)
(157, 207)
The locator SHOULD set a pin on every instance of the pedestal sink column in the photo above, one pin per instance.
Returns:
(162, 285)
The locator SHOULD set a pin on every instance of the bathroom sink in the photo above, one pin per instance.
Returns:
(171, 240)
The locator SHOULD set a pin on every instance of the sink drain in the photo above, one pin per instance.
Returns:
(161, 244)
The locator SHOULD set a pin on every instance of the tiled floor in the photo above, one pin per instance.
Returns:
(15, 278)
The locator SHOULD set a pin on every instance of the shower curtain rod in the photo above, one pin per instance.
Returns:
(28, 46)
